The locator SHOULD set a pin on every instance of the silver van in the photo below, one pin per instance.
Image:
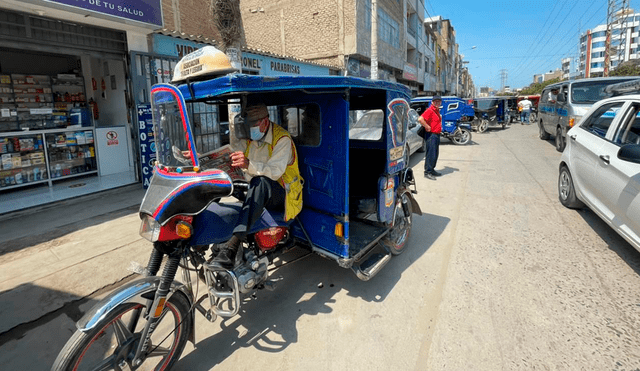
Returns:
(563, 104)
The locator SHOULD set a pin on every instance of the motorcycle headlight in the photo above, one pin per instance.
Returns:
(150, 228)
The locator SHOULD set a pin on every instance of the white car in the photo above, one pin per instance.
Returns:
(600, 166)
(369, 127)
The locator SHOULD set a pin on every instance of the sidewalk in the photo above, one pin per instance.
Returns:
(54, 261)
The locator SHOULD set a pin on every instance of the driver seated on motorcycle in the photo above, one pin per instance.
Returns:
(270, 164)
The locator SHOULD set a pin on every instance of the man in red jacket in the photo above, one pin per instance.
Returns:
(432, 123)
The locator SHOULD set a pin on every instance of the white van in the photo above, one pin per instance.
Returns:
(563, 104)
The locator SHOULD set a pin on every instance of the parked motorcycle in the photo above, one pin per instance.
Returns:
(458, 133)
(357, 208)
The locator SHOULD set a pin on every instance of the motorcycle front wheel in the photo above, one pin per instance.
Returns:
(463, 136)
(112, 343)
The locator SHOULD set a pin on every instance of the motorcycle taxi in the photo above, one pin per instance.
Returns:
(456, 117)
(491, 112)
(357, 205)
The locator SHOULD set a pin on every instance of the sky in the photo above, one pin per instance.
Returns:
(522, 37)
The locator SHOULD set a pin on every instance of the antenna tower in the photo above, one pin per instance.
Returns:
(503, 79)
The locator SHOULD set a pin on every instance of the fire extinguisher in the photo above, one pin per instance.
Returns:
(94, 109)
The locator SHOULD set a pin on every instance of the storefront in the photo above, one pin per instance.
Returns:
(65, 118)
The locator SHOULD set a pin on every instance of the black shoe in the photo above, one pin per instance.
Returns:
(436, 173)
(429, 176)
(224, 259)
(226, 256)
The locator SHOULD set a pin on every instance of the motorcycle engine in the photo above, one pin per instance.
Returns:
(252, 273)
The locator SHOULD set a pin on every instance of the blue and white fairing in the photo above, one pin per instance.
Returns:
(177, 186)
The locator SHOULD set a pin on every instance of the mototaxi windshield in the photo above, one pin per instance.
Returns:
(173, 140)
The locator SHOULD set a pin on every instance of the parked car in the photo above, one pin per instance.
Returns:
(600, 166)
(369, 125)
(563, 104)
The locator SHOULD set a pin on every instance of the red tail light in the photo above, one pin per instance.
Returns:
(267, 239)
(178, 228)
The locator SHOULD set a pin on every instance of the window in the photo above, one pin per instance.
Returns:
(598, 123)
(597, 55)
(366, 125)
(367, 15)
(599, 44)
(629, 132)
(303, 123)
(388, 29)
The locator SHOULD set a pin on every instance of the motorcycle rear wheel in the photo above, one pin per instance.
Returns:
(111, 345)
(462, 137)
(396, 240)
(483, 126)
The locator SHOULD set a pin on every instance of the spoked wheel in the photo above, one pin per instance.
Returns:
(560, 143)
(112, 344)
(396, 239)
(484, 124)
(462, 137)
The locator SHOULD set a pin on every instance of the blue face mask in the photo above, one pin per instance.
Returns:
(255, 132)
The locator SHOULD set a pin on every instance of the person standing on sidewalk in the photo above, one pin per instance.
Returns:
(525, 104)
(431, 121)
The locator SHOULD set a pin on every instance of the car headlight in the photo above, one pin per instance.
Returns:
(150, 228)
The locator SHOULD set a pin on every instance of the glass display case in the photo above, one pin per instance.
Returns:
(46, 129)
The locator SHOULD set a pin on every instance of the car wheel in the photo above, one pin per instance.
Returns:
(566, 190)
(560, 142)
(543, 134)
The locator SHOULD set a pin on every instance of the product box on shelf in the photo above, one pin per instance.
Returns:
(81, 138)
(5, 79)
(89, 136)
(35, 155)
(16, 160)
(25, 161)
(26, 144)
(6, 161)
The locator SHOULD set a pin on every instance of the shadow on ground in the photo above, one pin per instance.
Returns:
(268, 323)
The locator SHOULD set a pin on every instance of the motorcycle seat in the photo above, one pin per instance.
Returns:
(216, 223)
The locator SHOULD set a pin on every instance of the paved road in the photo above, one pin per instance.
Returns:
(498, 276)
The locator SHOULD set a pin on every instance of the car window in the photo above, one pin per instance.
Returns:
(629, 132)
(600, 120)
(303, 123)
(366, 125)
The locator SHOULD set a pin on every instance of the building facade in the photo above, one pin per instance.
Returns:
(593, 42)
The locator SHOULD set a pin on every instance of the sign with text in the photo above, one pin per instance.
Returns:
(145, 11)
(147, 143)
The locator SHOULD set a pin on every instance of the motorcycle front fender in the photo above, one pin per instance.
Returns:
(415, 208)
(129, 293)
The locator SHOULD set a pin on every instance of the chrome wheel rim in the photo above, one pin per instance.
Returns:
(565, 185)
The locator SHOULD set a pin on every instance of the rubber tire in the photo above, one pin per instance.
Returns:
(560, 141)
(77, 344)
(483, 126)
(542, 133)
(566, 190)
(398, 247)
(504, 125)
(464, 134)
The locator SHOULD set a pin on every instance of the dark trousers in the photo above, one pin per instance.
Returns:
(432, 144)
(263, 193)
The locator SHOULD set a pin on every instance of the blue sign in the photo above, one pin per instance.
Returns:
(147, 143)
(263, 65)
(145, 11)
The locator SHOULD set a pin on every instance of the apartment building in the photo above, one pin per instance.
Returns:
(592, 46)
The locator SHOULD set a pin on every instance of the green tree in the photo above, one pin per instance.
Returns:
(536, 88)
(629, 68)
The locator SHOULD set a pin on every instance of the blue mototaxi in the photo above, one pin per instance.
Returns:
(356, 191)
(456, 117)
(492, 111)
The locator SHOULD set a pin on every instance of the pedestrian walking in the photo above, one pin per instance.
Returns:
(431, 121)
(525, 104)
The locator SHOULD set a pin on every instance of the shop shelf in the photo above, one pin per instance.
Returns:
(24, 184)
(75, 175)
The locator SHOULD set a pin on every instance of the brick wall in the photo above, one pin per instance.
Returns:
(195, 17)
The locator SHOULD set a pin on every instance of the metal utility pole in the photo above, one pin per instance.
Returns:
(503, 79)
(374, 39)
(617, 12)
